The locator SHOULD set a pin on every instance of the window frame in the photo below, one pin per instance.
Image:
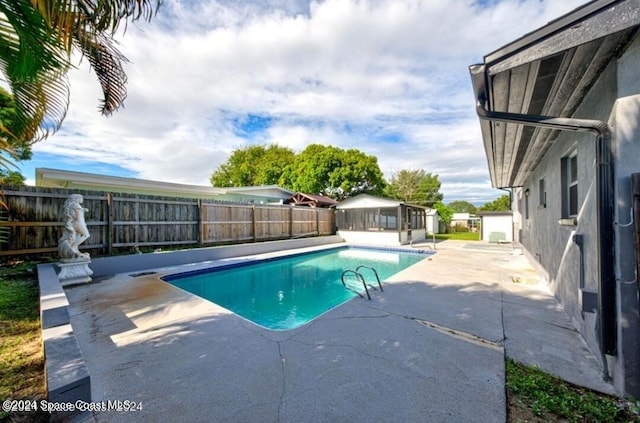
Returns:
(570, 186)
(542, 193)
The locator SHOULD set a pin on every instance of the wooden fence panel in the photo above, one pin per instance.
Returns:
(304, 222)
(272, 222)
(242, 226)
(216, 223)
(326, 222)
(148, 221)
(124, 221)
(34, 219)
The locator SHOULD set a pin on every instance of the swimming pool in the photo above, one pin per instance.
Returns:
(287, 292)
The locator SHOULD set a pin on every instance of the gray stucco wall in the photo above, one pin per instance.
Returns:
(615, 99)
(626, 127)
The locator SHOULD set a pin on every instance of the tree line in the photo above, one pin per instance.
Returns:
(324, 170)
(339, 174)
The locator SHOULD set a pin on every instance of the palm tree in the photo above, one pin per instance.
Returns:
(37, 39)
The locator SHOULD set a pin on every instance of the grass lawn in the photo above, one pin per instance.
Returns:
(464, 236)
(533, 396)
(21, 354)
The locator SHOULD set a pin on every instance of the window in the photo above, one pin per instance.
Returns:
(389, 218)
(371, 221)
(542, 194)
(570, 186)
(418, 219)
(367, 219)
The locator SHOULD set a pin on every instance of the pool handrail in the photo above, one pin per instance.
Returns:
(359, 276)
(374, 272)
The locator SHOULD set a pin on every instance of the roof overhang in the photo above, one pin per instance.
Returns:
(56, 178)
(302, 199)
(366, 201)
(264, 190)
(547, 72)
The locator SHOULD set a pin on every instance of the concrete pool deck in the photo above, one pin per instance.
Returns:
(431, 347)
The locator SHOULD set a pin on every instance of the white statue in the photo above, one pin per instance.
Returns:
(75, 229)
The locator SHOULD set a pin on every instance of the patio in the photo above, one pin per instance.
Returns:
(430, 348)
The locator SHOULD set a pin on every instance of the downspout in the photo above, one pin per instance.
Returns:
(510, 192)
(606, 302)
(513, 229)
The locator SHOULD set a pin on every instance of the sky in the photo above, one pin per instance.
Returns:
(387, 77)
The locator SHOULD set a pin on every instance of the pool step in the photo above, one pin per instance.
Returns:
(361, 278)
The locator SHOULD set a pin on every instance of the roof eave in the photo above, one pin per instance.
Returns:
(593, 21)
(555, 26)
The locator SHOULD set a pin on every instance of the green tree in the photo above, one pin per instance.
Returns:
(461, 206)
(11, 177)
(502, 203)
(38, 38)
(415, 187)
(15, 148)
(445, 212)
(333, 172)
(252, 166)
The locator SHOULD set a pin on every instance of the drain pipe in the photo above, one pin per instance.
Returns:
(510, 192)
(606, 325)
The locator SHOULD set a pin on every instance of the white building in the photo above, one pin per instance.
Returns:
(366, 219)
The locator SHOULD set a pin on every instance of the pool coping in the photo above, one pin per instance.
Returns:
(67, 377)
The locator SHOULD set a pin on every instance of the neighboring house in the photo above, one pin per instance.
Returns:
(497, 226)
(308, 200)
(374, 220)
(460, 220)
(560, 117)
(464, 220)
(55, 178)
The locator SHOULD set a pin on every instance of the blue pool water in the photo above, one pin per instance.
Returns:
(284, 293)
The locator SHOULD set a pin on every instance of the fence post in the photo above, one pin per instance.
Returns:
(290, 221)
(109, 234)
(317, 221)
(255, 224)
(200, 229)
(136, 214)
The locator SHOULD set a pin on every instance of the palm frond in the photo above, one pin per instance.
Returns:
(35, 69)
(106, 62)
(37, 38)
(107, 15)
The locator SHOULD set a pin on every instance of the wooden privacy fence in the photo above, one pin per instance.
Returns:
(33, 221)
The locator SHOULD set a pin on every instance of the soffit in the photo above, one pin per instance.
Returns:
(548, 76)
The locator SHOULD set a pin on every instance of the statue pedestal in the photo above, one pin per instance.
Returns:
(74, 272)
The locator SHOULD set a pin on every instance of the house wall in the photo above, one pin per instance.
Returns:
(626, 126)
(497, 224)
(460, 219)
(551, 245)
(382, 237)
(416, 235)
(370, 237)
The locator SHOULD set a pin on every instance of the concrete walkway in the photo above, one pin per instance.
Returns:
(430, 348)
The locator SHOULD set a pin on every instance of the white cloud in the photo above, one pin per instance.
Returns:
(388, 77)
